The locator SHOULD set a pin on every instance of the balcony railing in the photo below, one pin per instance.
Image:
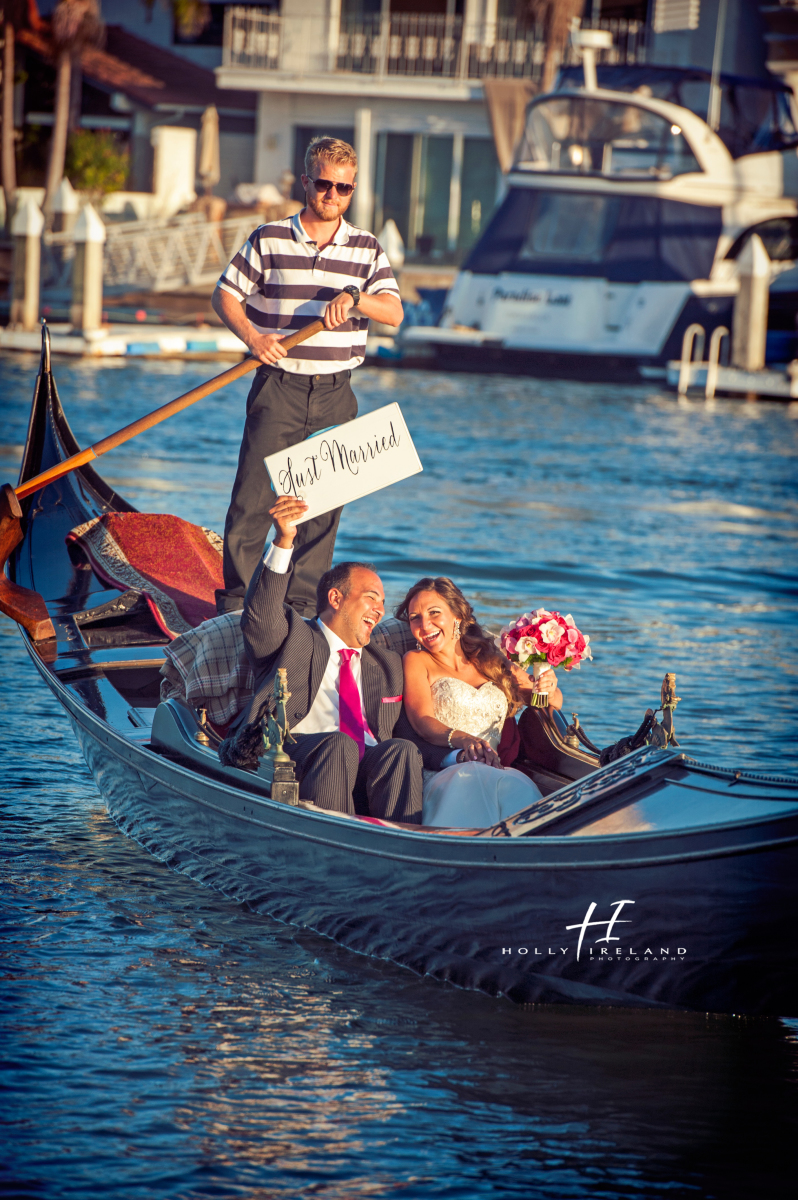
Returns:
(409, 45)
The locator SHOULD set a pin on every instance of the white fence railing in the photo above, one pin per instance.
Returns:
(404, 44)
(158, 255)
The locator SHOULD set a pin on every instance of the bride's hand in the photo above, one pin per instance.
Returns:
(527, 686)
(475, 749)
(545, 684)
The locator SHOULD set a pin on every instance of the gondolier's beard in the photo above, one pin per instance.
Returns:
(324, 209)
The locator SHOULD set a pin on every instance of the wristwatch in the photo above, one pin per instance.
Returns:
(354, 292)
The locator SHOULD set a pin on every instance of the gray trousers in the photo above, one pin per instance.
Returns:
(282, 409)
(387, 783)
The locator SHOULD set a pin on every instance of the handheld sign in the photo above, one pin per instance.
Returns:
(342, 464)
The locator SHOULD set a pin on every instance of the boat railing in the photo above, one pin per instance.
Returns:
(693, 334)
(713, 360)
(692, 363)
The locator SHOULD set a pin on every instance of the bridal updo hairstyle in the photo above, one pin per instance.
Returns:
(477, 645)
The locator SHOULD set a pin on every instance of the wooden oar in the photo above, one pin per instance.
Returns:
(26, 606)
(154, 418)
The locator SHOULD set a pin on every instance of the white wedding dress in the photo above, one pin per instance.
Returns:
(473, 795)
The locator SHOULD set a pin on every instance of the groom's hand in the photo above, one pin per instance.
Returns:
(475, 749)
(285, 514)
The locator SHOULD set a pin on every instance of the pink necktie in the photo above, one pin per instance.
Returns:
(350, 711)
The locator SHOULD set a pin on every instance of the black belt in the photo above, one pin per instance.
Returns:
(335, 377)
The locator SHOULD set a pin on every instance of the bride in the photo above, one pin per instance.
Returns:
(458, 690)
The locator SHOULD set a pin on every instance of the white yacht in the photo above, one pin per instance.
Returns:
(626, 210)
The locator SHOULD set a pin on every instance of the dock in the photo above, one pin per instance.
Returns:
(152, 341)
(129, 341)
(776, 382)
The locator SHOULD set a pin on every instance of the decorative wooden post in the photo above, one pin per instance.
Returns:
(65, 207)
(750, 320)
(26, 229)
(87, 273)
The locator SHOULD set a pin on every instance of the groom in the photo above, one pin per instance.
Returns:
(345, 709)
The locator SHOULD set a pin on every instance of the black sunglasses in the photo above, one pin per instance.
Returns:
(325, 185)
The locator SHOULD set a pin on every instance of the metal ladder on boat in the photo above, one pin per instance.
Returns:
(695, 339)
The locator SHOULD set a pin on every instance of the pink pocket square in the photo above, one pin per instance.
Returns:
(391, 699)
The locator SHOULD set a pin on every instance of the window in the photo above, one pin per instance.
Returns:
(779, 235)
(586, 136)
(624, 239)
(477, 189)
(569, 226)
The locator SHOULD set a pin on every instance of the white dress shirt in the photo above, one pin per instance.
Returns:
(323, 715)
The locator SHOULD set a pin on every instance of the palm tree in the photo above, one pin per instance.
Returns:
(556, 17)
(15, 13)
(75, 24)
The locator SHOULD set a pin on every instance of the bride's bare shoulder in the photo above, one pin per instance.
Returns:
(414, 663)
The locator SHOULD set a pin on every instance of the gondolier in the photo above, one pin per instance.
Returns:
(288, 274)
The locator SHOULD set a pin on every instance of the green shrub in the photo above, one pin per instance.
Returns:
(96, 162)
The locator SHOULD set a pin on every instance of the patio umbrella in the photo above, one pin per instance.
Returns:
(209, 171)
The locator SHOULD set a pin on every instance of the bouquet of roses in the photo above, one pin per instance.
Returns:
(544, 641)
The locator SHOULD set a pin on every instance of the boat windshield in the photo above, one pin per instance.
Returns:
(588, 136)
(755, 114)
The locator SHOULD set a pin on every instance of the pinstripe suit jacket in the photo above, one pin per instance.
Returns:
(276, 636)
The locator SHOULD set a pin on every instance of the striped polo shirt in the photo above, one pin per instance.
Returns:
(287, 283)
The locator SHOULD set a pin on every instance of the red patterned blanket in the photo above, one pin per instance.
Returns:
(176, 565)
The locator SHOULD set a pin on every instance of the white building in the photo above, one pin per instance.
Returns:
(405, 87)
(401, 79)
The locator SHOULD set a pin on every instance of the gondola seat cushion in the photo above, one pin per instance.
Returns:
(177, 566)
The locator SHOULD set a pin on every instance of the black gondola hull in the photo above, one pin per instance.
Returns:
(710, 910)
(710, 927)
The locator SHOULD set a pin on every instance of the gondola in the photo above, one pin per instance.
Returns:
(654, 881)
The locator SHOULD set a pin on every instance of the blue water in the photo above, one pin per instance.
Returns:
(158, 1040)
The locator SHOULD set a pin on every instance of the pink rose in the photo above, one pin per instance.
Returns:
(556, 655)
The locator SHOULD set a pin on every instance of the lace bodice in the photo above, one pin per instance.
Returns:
(478, 711)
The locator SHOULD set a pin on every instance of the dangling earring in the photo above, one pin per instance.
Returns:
(456, 630)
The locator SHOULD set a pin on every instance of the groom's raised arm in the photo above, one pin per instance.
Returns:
(264, 622)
